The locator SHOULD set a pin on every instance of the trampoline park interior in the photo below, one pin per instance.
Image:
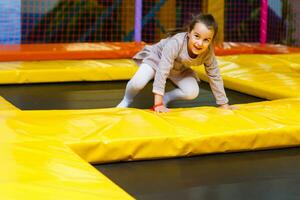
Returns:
(64, 67)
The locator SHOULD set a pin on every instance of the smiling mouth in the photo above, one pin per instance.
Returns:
(198, 48)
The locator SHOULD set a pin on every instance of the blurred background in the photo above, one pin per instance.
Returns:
(65, 21)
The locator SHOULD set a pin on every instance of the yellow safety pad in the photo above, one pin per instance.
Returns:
(5, 105)
(291, 60)
(265, 76)
(50, 170)
(66, 70)
(105, 135)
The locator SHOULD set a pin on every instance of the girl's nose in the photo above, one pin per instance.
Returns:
(199, 43)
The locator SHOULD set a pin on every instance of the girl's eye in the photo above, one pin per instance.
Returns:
(206, 40)
(196, 36)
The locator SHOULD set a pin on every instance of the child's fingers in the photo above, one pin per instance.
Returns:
(161, 109)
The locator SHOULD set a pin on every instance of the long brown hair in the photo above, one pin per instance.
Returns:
(207, 19)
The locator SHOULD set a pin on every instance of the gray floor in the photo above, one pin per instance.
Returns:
(84, 95)
(265, 175)
(260, 175)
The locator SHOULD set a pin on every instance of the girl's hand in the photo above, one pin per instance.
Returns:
(228, 107)
(160, 108)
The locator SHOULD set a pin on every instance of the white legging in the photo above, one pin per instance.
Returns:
(187, 86)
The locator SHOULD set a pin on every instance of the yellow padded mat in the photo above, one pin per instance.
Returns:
(66, 70)
(5, 105)
(50, 170)
(105, 135)
(291, 60)
(38, 165)
(265, 76)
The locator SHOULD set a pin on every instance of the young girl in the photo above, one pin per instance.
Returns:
(171, 58)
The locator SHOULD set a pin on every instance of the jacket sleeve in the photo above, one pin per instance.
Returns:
(215, 79)
(168, 55)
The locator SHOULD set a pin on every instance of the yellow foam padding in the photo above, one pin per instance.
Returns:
(265, 76)
(5, 105)
(106, 135)
(291, 60)
(66, 70)
(50, 170)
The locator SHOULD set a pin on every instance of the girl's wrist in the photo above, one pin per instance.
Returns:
(158, 99)
(156, 105)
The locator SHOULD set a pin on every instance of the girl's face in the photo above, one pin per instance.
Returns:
(199, 39)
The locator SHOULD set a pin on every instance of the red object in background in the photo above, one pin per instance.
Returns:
(71, 51)
(118, 50)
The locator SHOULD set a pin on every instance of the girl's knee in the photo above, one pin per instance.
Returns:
(135, 85)
(191, 93)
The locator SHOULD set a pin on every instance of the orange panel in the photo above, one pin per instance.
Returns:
(107, 50)
(118, 50)
(232, 48)
(275, 49)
